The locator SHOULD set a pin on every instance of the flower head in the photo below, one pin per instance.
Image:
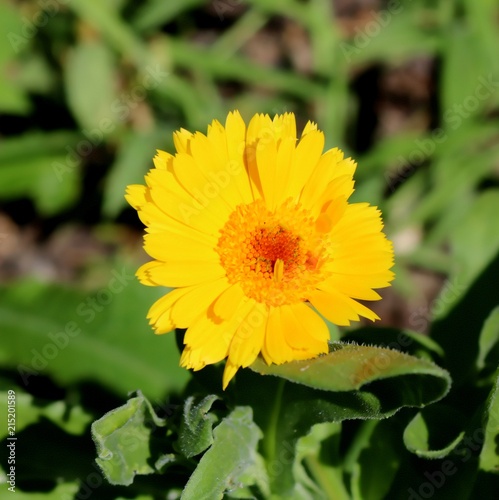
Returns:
(253, 229)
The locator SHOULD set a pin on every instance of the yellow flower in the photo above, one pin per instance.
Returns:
(253, 229)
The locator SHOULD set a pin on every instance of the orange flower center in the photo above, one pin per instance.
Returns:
(277, 257)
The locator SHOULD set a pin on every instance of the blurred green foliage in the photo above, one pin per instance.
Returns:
(85, 83)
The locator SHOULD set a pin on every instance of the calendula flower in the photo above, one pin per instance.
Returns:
(253, 229)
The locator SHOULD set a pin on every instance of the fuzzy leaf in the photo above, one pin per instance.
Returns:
(196, 427)
(122, 437)
(351, 382)
(348, 367)
(232, 461)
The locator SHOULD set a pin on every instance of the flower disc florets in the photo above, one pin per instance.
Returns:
(275, 256)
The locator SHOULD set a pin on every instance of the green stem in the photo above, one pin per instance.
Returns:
(359, 443)
(328, 478)
(270, 438)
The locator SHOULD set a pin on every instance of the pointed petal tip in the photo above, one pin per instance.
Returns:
(229, 372)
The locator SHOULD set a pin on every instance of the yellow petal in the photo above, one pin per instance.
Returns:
(135, 195)
(330, 166)
(266, 160)
(210, 348)
(338, 308)
(203, 187)
(358, 219)
(160, 310)
(208, 339)
(284, 158)
(340, 187)
(174, 246)
(332, 213)
(360, 289)
(305, 159)
(260, 126)
(235, 135)
(282, 127)
(298, 331)
(162, 160)
(196, 302)
(228, 302)
(275, 348)
(333, 307)
(309, 127)
(181, 139)
(311, 323)
(180, 273)
(175, 202)
(229, 372)
(143, 273)
(212, 161)
(154, 218)
(248, 339)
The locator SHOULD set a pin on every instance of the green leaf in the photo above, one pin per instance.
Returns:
(462, 174)
(335, 123)
(489, 338)
(481, 17)
(474, 243)
(47, 455)
(11, 26)
(348, 367)
(374, 42)
(196, 427)
(21, 148)
(40, 182)
(390, 151)
(13, 98)
(377, 462)
(114, 29)
(64, 490)
(489, 457)
(90, 84)
(458, 85)
(318, 453)
(434, 423)
(189, 56)
(458, 330)
(469, 140)
(35, 75)
(352, 382)
(44, 167)
(101, 336)
(232, 461)
(28, 410)
(122, 437)
(156, 13)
